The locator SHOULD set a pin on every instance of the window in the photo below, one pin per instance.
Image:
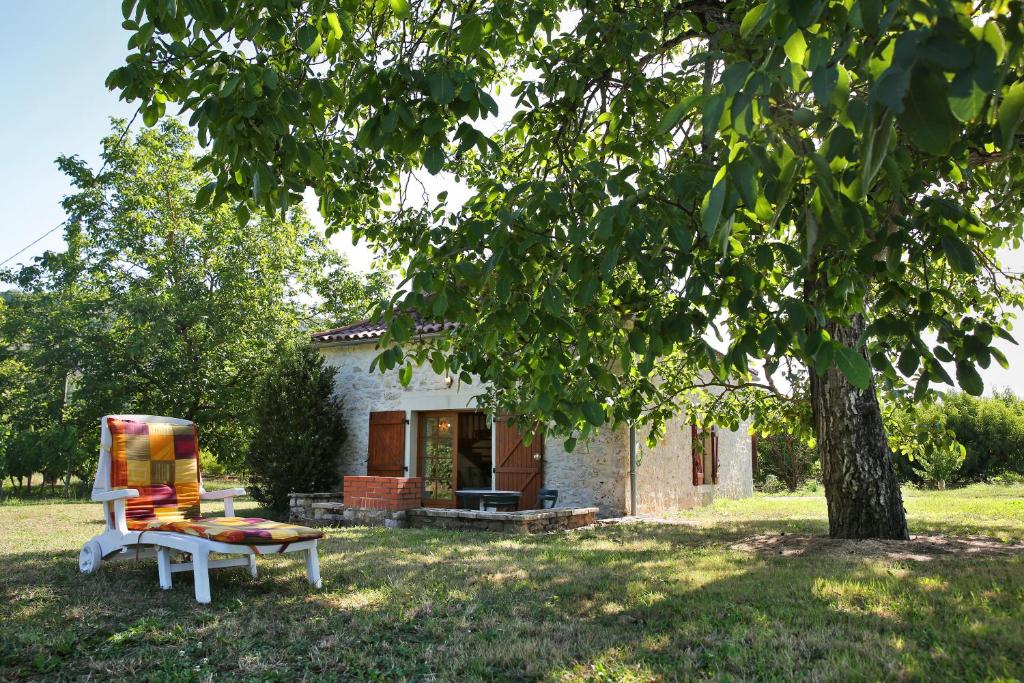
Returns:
(704, 454)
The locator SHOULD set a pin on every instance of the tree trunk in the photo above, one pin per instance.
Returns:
(864, 499)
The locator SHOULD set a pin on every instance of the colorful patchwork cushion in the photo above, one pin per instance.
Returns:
(161, 460)
(248, 530)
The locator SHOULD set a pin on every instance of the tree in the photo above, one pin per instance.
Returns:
(298, 430)
(823, 180)
(162, 306)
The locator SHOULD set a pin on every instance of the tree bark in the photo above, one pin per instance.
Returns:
(864, 498)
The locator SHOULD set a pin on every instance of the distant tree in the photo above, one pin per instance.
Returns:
(298, 429)
(991, 430)
(161, 304)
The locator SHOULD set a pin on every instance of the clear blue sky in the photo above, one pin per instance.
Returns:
(55, 57)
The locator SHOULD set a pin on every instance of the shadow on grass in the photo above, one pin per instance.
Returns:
(642, 601)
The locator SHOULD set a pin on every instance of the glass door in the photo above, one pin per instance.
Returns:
(438, 436)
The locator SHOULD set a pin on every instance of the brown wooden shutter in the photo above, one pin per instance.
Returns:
(515, 466)
(386, 448)
(714, 455)
(753, 454)
(695, 453)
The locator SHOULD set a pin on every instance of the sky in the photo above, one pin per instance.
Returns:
(56, 56)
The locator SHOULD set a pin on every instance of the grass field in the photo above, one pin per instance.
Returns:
(626, 602)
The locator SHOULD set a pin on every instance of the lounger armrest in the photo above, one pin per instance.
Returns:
(221, 495)
(107, 496)
(227, 495)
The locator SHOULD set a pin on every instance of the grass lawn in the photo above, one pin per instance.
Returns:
(626, 602)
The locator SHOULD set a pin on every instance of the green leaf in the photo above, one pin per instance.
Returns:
(405, 375)
(966, 99)
(854, 367)
(908, 361)
(968, 378)
(753, 20)
(677, 112)
(332, 21)
(433, 159)
(734, 76)
(712, 117)
(959, 254)
(205, 193)
(306, 36)
(927, 120)
(471, 33)
(594, 413)
(401, 8)
(270, 78)
(891, 88)
(442, 88)
(1011, 111)
(711, 208)
(796, 47)
(743, 177)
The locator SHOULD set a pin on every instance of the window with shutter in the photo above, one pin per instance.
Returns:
(704, 453)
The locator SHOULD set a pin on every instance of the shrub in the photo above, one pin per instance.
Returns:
(991, 430)
(787, 458)
(298, 430)
(772, 484)
(924, 446)
(210, 466)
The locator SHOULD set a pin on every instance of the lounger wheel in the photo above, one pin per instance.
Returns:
(91, 557)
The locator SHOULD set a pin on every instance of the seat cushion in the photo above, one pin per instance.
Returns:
(244, 530)
(159, 459)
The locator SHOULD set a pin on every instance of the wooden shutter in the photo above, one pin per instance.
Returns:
(753, 454)
(696, 456)
(386, 448)
(515, 466)
(714, 455)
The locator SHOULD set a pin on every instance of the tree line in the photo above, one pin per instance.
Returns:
(159, 305)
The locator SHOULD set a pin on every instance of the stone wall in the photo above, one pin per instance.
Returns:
(300, 505)
(595, 474)
(522, 522)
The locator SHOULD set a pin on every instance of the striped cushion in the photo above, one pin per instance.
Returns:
(248, 530)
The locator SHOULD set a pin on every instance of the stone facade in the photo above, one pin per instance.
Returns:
(595, 474)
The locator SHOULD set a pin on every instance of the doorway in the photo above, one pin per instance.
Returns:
(454, 452)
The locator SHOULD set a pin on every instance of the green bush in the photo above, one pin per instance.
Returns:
(209, 466)
(991, 430)
(787, 458)
(298, 430)
(772, 485)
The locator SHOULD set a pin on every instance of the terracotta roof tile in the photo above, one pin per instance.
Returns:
(367, 331)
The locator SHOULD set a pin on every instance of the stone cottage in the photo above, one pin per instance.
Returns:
(431, 429)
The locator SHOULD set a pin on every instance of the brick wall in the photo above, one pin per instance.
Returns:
(382, 493)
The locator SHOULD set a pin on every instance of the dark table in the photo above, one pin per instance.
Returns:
(479, 494)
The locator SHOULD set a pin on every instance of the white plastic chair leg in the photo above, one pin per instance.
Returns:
(201, 572)
(313, 568)
(163, 564)
(252, 565)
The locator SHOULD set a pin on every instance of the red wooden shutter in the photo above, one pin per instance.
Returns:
(515, 466)
(714, 455)
(386, 448)
(695, 451)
